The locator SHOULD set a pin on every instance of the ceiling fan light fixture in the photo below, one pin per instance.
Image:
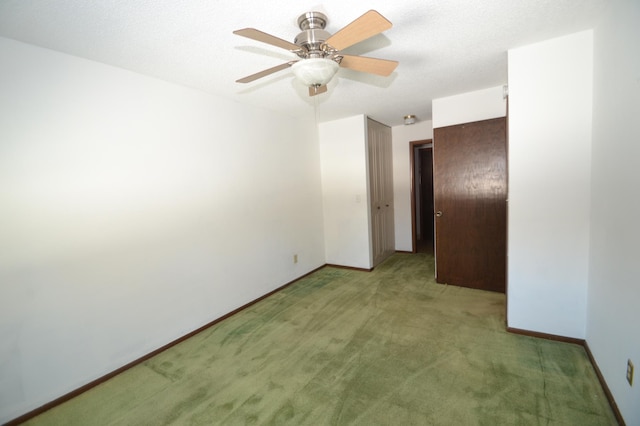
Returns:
(315, 71)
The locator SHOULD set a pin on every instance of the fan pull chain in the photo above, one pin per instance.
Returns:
(316, 112)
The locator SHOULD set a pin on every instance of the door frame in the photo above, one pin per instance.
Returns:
(412, 160)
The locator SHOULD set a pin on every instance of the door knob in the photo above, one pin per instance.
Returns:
(438, 213)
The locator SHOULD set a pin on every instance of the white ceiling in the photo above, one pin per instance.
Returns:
(444, 47)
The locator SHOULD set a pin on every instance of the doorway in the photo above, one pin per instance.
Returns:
(422, 219)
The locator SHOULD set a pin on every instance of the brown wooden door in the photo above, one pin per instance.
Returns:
(470, 190)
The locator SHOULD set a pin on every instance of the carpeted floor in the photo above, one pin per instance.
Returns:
(389, 347)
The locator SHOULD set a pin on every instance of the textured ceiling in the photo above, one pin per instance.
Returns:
(444, 47)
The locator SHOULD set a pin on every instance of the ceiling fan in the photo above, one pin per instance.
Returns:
(320, 52)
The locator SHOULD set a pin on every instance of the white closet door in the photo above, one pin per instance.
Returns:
(381, 191)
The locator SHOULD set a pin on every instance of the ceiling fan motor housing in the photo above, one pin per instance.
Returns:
(313, 35)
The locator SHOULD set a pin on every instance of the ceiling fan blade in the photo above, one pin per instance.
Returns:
(382, 67)
(265, 73)
(368, 25)
(258, 35)
(317, 90)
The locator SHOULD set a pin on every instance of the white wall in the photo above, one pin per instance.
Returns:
(401, 137)
(613, 315)
(469, 107)
(131, 212)
(550, 100)
(345, 194)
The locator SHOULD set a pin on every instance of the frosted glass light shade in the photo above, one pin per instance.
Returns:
(315, 71)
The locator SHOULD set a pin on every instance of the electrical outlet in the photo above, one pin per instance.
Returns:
(295, 258)
(630, 372)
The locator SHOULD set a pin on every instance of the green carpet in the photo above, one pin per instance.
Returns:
(389, 347)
